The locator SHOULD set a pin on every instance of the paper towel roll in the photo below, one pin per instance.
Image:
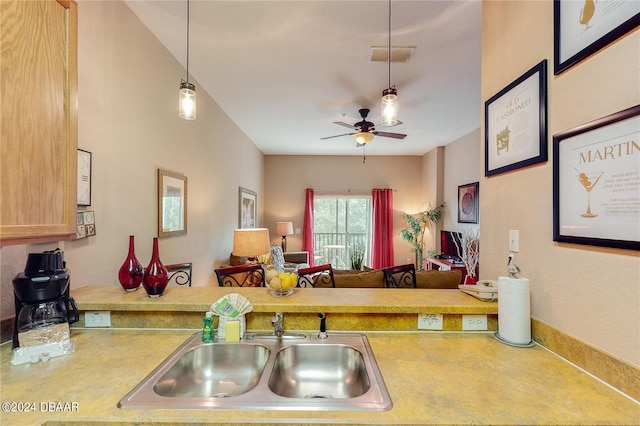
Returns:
(514, 310)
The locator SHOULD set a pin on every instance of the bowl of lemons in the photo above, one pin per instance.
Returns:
(281, 283)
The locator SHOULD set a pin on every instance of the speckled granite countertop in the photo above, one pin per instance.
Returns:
(433, 378)
(352, 300)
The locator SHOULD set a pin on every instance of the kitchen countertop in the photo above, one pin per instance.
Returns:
(351, 300)
(433, 378)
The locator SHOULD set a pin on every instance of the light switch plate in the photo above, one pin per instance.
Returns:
(514, 240)
(429, 321)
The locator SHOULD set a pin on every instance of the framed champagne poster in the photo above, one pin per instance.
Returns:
(584, 27)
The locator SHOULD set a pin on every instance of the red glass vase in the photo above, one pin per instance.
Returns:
(156, 275)
(131, 272)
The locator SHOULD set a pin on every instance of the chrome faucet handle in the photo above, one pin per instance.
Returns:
(278, 324)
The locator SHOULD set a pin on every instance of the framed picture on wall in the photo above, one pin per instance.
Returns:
(172, 204)
(516, 123)
(596, 182)
(468, 203)
(247, 208)
(84, 178)
(584, 27)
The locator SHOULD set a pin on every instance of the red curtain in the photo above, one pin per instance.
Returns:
(382, 238)
(307, 226)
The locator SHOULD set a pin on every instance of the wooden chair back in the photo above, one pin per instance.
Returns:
(251, 275)
(402, 276)
(316, 276)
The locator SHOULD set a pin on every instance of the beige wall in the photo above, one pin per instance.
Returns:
(286, 178)
(433, 194)
(461, 167)
(587, 292)
(128, 97)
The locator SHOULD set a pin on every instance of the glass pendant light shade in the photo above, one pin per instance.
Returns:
(363, 138)
(187, 101)
(389, 107)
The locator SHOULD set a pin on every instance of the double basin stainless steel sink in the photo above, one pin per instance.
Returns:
(264, 372)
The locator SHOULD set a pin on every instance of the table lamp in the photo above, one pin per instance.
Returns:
(251, 242)
(284, 229)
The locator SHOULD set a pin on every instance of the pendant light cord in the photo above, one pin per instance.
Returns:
(188, 26)
(389, 52)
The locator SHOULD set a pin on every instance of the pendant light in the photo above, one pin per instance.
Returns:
(187, 94)
(389, 105)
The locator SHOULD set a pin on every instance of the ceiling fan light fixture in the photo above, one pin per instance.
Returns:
(363, 138)
(187, 101)
(389, 106)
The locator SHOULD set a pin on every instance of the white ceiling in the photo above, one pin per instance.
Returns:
(284, 71)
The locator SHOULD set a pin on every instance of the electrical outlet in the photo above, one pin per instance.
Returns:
(514, 240)
(474, 322)
(429, 321)
(97, 319)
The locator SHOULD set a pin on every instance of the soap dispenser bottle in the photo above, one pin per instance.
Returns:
(207, 328)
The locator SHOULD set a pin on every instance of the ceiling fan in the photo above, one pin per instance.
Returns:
(365, 130)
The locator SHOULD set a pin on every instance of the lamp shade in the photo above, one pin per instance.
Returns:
(389, 107)
(251, 242)
(284, 228)
(363, 138)
(187, 101)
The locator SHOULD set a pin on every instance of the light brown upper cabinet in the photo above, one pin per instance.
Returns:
(38, 150)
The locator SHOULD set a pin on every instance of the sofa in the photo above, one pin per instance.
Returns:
(367, 278)
(374, 278)
(291, 259)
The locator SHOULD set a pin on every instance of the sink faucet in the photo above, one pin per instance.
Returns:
(323, 326)
(278, 324)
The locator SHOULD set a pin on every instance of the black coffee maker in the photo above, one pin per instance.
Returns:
(41, 294)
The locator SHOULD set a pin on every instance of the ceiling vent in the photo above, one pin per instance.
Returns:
(398, 53)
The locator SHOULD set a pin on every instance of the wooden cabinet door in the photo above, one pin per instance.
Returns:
(38, 149)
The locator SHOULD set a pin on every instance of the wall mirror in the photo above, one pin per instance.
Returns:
(172, 204)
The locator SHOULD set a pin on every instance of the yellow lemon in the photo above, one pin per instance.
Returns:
(286, 282)
(281, 275)
(275, 283)
(271, 273)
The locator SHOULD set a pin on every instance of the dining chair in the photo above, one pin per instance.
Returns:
(251, 275)
(180, 273)
(316, 276)
(402, 276)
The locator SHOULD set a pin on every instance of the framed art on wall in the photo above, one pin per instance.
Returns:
(584, 27)
(468, 203)
(516, 123)
(596, 182)
(172, 204)
(247, 208)
(84, 178)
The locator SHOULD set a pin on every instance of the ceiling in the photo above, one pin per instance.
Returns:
(284, 71)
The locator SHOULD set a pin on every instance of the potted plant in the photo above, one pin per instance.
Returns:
(357, 257)
(417, 224)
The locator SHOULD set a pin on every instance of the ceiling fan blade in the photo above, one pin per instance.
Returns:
(337, 136)
(340, 123)
(390, 135)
